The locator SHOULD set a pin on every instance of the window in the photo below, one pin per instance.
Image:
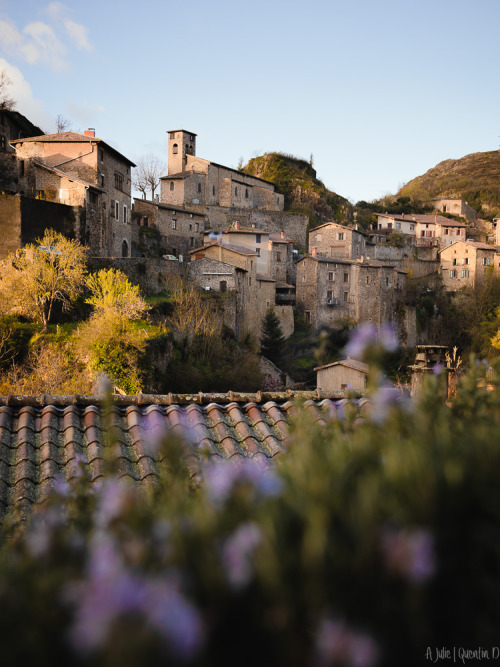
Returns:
(190, 227)
(171, 186)
(367, 280)
(235, 191)
(465, 273)
(246, 193)
(223, 285)
(453, 273)
(398, 225)
(102, 180)
(455, 261)
(93, 198)
(446, 231)
(466, 260)
(197, 227)
(389, 225)
(117, 210)
(249, 280)
(329, 295)
(174, 223)
(331, 276)
(346, 297)
(346, 277)
(308, 316)
(387, 282)
(258, 238)
(199, 187)
(172, 135)
(175, 149)
(145, 222)
(340, 236)
(191, 241)
(118, 181)
(191, 137)
(412, 228)
(278, 257)
(258, 253)
(213, 190)
(422, 233)
(125, 214)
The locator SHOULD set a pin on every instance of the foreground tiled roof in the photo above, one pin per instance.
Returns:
(43, 438)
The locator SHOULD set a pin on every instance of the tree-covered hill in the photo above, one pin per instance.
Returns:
(304, 192)
(474, 178)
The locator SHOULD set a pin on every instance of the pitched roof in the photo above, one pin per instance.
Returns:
(71, 137)
(473, 244)
(277, 238)
(422, 218)
(349, 363)
(42, 438)
(241, 250)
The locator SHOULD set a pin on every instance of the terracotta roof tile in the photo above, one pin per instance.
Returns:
(42, 443)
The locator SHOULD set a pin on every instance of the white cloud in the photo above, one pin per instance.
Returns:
(86, 114)
(37, 44)
(78, 33)
(23, 95)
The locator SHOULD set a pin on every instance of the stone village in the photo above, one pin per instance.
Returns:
(224, 231)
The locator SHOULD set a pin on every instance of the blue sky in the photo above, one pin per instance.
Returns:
(378, 92)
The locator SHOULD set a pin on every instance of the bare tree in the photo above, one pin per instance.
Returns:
(62, 124)
(150, 168)
(7, 103)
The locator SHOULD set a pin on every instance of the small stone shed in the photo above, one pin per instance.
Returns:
(341, 375)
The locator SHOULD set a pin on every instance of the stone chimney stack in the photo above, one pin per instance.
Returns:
(90, 132)
(313, 251)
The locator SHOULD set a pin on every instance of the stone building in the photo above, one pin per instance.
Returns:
(455, 207)
(334, 240)
(94, 162)
(180, 230)
(255, 292)
(13, 126)
(331, 289)
(466, 264)
(281, 264)
(224, 194)
(342, 375)
(194, 180)
(428, 230)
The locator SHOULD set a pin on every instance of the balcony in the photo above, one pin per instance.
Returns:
(333, 302)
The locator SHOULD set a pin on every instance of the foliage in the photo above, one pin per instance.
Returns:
(396, 240)
(364, 546)
(150, 168)
(38, 276)
(112, 292)
(272, 339)
(7, 103)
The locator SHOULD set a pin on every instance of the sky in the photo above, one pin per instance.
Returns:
(378, 92)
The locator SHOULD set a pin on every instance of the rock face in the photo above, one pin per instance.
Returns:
(304, 193)
(474, 178)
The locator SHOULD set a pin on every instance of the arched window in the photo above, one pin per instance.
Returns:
(124, 249)
(174, 149)
(171, 185)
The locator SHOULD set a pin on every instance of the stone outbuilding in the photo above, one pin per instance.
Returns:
(334, 240)
(466, 264)
(342, 375)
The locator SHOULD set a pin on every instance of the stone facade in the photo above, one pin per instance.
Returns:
(92, 161)
(152, 275)
(334, 240)
(23, 220)
(466, 263)
(342, 375)
(180, 230)
(193, 180)
(281, 264)
(330, 290)
(455, 207)
(428, 230)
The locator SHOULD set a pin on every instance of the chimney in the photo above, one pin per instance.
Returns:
(282, 234)
(313, 251)
(90, 132)
(236, 224)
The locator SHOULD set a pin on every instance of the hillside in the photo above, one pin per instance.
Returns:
(304, 193)
(474, 178)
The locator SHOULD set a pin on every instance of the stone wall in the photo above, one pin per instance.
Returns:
(10, 224)
(293, 224)
(152, 275)
(213, 275)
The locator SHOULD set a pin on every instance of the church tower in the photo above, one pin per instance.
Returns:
(181, 143)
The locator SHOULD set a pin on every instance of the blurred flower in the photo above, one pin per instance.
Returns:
(113, 497)
(38, 537)
(383, 400)
(223, 476)
(169, 612)
(409, 553)
(437, 369)
(61, 487)
(237, 553)
(153, 429)
(367, 335)
(337, 644)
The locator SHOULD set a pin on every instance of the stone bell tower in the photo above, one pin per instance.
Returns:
(181, 143)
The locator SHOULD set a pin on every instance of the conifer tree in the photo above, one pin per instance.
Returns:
(272, 339)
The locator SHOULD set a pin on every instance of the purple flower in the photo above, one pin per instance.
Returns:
(362, 337)
(409, 553)
(367, 335)
(113, 496)
(437, 369)
(223, 476)
(237, 553)
(337, 644)
(383, 400)
(174, 617)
